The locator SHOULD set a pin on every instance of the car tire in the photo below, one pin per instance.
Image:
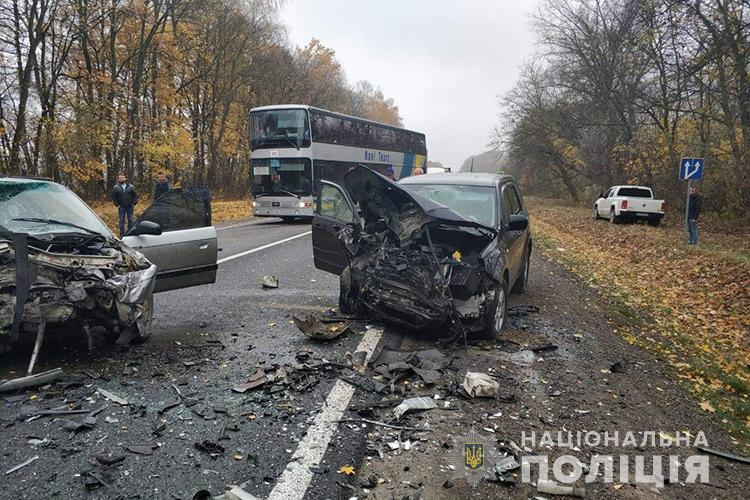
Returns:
(347, 292)
(523, 279)
(654, 222)
(596, 213)
(498, 316)
(612, 216)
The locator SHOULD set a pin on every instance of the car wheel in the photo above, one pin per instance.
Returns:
(612, 216)
(145, 318)
(596, 213)
(347, 292)
(523, 278)
(498, 313)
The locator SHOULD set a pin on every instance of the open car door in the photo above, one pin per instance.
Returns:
(334, 211)
(185, 251)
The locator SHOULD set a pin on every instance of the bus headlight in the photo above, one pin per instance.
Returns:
(301, 204)
(255, 204)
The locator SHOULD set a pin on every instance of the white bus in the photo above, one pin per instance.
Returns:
(295, 146)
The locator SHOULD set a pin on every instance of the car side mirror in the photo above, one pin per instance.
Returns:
(518, 222)
(601, 195)
(146, 227)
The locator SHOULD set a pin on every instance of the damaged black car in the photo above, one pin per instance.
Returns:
(429, 252)
(60, 264)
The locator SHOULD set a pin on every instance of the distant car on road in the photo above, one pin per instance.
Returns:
(430, 251)
(62, 264)
(629, 204)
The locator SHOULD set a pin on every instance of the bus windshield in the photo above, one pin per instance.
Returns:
(282, 176)
(279, 128)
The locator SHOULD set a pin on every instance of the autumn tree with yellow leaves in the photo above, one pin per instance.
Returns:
(89, 88)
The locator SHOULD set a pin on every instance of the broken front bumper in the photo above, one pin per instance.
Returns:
(38, 286)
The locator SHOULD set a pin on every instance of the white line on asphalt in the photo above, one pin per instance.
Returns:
(251, 223)
(258, 249)
(296, 477)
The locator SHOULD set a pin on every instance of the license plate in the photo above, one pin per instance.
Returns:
(641, 214)
(275, 204)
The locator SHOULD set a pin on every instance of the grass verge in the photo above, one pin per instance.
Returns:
(690, 306)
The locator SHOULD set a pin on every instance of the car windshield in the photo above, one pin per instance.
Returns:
(476, 203)
(283, 177)
(45, 207)
(279, 128)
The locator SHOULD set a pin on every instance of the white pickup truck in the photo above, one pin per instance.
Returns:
(629, 204)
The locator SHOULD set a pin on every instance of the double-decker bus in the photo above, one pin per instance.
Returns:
(294, 146)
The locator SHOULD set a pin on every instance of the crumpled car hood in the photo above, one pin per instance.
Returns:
(403, 211)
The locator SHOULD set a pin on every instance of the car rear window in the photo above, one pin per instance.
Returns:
(634, 192)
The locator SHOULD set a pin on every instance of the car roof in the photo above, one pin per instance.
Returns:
(458, 178)
(631, 186)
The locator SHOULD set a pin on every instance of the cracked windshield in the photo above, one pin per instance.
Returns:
(375, 250)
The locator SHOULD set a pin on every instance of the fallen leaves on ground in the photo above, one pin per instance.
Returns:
(347, 470)
(696, 298)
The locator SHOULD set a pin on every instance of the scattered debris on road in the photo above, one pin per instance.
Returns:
(257, 379)
(212, 449)
(79, 425)
(147, 449)
(724, 454)
(414, 404)
(269, 282)
(32, 380)
(113, 397)
(480, 385)
(317, 329)
(554, 488)
(22, 465)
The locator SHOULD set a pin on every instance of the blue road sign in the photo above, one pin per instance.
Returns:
(691, 169)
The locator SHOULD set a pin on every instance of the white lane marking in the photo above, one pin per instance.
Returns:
(258, 249)
(251, 223)
(296, 478)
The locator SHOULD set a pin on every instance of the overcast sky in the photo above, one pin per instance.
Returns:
(443, 62)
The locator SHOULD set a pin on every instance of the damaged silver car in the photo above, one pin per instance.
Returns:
(59, 263)
(434, 250)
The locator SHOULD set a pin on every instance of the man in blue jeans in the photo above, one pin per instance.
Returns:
(695, 201)
(125, 198)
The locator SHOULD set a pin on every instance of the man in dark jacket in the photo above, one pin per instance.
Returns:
(125, 198)
(161, 187)
(695, 201)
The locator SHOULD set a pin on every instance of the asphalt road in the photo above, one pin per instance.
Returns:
(283, 443)
(254, 326)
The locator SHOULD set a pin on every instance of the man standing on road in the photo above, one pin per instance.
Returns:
(161, 187)
(694, 210)
(124, 198)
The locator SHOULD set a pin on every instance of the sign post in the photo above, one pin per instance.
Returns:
(691, 169)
